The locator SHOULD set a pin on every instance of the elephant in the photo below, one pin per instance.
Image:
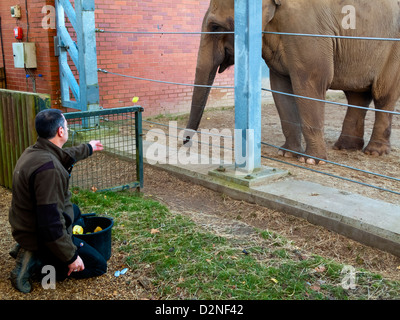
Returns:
(365, 70)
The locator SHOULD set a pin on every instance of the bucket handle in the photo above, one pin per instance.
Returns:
(89, 214)
(92, 214)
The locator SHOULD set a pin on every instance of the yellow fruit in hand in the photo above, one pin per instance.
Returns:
(77, 229)
(98, 229)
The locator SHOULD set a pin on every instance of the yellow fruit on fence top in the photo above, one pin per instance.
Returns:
(97, 229)
(77, 229)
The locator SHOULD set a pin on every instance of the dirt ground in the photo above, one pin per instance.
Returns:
(201, 204)
(387, 165)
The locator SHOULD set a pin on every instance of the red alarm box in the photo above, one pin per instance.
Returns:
(18, 33)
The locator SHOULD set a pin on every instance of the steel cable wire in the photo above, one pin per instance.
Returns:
(334, 163)
(330, 102)
(276, 147)
(330, 36)
(332, 175)
(161, 32)
(232, 32)
(165, 82)
(277, 92)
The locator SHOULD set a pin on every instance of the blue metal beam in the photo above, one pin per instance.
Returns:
(82, 52)
(69, 11)
(86, 39)
(248, 59)
(68, 44)
(69, 77)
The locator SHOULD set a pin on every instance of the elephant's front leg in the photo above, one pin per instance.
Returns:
(312, 124)
(288, 114)
(312, 115)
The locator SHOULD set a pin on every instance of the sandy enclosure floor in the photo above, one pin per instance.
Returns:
(388, 165)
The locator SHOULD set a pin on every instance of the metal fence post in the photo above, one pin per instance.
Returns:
(248, 45)
(139, 146)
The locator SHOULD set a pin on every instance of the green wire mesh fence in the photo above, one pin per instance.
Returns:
(120, 165)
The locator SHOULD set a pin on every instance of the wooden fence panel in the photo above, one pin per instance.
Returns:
(17, 127)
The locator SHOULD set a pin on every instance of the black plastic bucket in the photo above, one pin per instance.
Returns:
(100, 240)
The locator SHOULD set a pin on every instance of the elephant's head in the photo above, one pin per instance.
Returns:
(216, 52)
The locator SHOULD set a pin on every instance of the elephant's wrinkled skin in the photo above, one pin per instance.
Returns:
(308, 66)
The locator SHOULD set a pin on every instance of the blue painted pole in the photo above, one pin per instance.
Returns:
(86, 41)
(82, 52)
(248, 58)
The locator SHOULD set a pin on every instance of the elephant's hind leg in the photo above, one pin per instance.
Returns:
(379, 143)
(352, 136)
(386, 92)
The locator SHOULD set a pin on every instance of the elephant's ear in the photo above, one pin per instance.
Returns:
(269, 9)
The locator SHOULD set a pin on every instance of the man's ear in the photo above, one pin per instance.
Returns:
(60, 131)
(278, 2)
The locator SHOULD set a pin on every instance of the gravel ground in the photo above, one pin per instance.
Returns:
(198, 203)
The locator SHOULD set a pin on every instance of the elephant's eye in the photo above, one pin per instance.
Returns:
(216, 28)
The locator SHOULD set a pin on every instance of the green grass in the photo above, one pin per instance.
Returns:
(186, 262)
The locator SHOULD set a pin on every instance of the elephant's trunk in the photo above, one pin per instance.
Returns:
(205, 75)
(200, 96)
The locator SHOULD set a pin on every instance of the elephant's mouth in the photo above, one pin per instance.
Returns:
(228, 61)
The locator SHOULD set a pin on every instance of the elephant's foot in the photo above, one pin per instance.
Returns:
(349, 143)
(377, 148)
(314, 157)
(289, 151)
(297, 153)
(311, 161)
(287, 154)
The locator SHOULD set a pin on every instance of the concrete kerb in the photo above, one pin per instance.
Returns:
(371, 222)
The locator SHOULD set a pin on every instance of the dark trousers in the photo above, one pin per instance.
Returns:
(95, 264)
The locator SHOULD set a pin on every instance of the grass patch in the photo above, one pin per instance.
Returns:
(186, 262)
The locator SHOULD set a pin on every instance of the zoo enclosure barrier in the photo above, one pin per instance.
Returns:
(17, 127)
(266, 144)
(120, 165)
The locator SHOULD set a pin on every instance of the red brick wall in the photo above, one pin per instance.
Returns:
(48, 82)
(159, 57)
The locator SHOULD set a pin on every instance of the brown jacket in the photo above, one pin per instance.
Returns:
(41, 212)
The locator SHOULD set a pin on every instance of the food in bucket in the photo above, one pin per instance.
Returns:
(77, 229)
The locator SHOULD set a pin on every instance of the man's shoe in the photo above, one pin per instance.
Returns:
(14, 251)
(25, 267)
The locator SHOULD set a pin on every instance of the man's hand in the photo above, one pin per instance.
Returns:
(76, 266)
(96, 145)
